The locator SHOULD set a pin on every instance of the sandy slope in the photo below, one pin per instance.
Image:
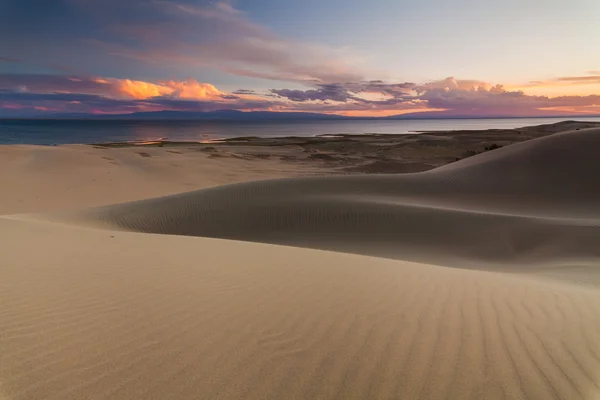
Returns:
(88, 313)
(44, 178)
(514, 204)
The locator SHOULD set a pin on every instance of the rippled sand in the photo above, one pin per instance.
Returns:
(473, 280)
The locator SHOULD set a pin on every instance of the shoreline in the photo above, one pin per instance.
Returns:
(53, 133)
(364, 153)
(343, 118)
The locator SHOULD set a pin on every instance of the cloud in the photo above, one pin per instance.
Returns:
(573, 101)
(141, 90)
(451, 83)
(70, 102)
(62, 93)
(192, 89)
(378, 86)
(188, 89)
(62, 97)
(393, 93)
(580, 79)
(119, 88)
(565, 81)
(455, 96)
(216, 35)
(64, 102)
(110, 95)
(45, 83)
(245, 91)
(497, 101)
(362, 109)
(325, 92)
(9, 59)
(175, 37)
(100, 94)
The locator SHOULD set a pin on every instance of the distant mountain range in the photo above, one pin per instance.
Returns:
(235, 115)
(220, 115)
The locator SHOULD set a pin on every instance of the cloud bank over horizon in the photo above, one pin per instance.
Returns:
(123, 57)
(30, 94)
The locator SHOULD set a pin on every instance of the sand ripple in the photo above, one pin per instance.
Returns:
(511, 310)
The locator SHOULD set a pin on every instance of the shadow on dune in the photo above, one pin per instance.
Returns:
(528, 203)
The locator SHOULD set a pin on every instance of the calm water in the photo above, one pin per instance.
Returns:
(69, 131)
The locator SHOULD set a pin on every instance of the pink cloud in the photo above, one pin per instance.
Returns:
(592, 79)
(453, 96)
(9, 59)
(581, 79)
(219, 36)
(192, 89)
(456, 84)
(110, 87)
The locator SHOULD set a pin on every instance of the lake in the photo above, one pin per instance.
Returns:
(52, 132)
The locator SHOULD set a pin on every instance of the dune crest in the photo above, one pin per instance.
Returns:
(509, 205)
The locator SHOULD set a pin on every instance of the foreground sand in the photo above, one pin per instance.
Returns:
(112, 303)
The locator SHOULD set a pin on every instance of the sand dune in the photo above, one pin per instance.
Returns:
(48, 179)
(101, 304)
(516, 204)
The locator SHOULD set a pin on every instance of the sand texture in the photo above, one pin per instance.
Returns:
(475, 280)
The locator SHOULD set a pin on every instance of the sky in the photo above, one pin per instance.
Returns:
(348, 57)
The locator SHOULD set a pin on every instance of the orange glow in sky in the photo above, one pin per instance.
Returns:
(142, 90)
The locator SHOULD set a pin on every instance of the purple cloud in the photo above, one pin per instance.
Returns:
(46, 83)
(9, 59)
(350, 92)
(458, 97)
(333, 92)
(485, 100)
(244, 91)
(213, 34)
(90, 103)
(57, 93)
(580, 79)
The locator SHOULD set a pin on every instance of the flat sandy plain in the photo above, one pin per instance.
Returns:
(186, 271)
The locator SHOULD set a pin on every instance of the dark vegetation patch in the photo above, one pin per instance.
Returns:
(323, 157)
(389, 167)
(471, 153)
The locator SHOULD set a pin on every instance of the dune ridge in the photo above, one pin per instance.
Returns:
(510, 205)
(173, 298)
